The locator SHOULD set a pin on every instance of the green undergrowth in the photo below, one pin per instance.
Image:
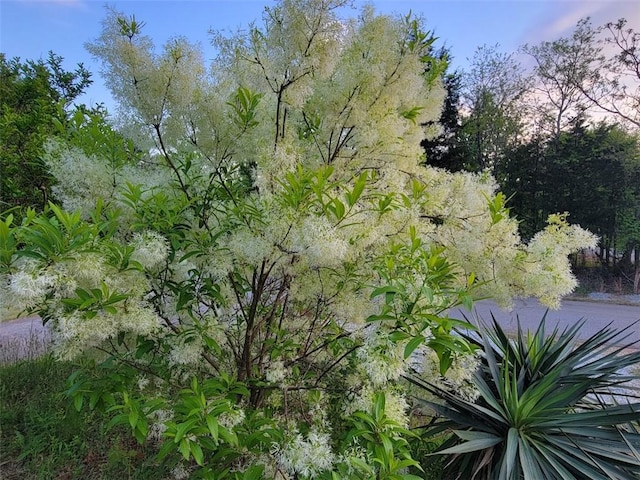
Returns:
(43, 437)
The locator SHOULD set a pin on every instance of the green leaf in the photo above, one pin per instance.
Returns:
(185, 449)
(378, 407)
(398, 336)
(254, 472)
(133, 416)
(412, 114)
(196, 451)
(244, 105)
(354, 195)
(386, 443)
(212, 424)
(8, 244)
(336, 207)
(386, 290)
(511, 451)
(78, 401)
(528, 460)
(473, 445)
(412, 344)
(184, 428)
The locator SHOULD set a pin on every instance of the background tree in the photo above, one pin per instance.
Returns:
(447, 150)
(573, 81)
(586, 178)
(558, 101)
(613, 81)
(628, 216)
(579, 78)
(34, 95)
(590, 172)
(493, 113)
(523, 179)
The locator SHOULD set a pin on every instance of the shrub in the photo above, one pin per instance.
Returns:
(549, 406)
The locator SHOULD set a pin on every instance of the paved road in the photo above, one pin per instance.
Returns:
(23, 338)
(21, 328)
(529, 311)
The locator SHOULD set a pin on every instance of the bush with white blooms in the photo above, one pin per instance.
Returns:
(256, 275)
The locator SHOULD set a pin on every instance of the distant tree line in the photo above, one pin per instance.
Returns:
(557, 125)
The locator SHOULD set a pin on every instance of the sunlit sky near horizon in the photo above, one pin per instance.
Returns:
(31, 28)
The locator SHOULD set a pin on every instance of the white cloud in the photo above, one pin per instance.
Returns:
(568, 19)
(561, 17)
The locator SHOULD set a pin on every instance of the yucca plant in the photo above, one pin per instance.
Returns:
(550, 406)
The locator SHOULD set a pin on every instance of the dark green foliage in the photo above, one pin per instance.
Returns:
(34, 94)
(545, 409)
(422, 449)
(592, 173)
(447, 150)
(525, 179)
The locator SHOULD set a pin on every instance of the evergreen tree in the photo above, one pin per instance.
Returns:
(447, 150)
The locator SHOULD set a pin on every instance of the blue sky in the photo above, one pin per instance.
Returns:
(30, 28)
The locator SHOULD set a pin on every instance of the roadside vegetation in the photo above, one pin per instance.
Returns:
(42, 436)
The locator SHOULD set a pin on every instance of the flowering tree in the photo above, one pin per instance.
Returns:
(261, 279)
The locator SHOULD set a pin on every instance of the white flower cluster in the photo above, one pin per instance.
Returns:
(272, 165)
(159, 418)
(186, 351)
(151, 249)
(230, 419)
(459, 376)
(83, 178)
(307, 455)
(320, 242)
(353, 308)
(276, 372)
(75, 333)
(396, 406)
(381, 359)
(248, 248)
(26, 288)
(32, 284)
(548, 272)
(181, 472)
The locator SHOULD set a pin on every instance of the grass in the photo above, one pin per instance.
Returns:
(43, 437)
(7, 314)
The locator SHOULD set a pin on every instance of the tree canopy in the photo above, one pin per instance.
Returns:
(34, 95)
